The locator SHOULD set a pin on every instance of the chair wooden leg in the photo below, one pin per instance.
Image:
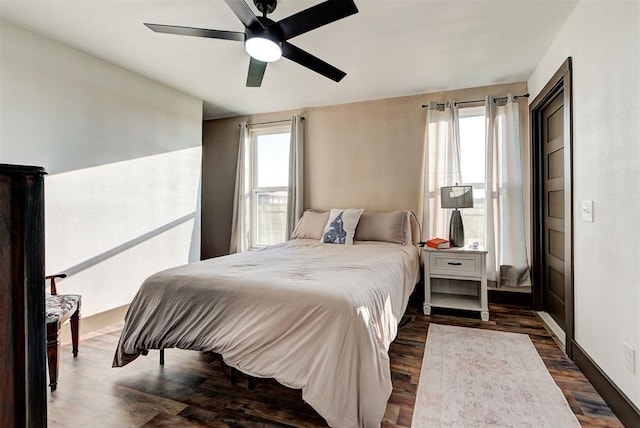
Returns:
(53, 348)
(162, 357)
(75, 330)
(233, 375)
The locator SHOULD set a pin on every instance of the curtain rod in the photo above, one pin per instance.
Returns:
(272, 121)
(515, 97)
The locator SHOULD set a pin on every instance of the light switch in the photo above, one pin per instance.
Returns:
(587, 211)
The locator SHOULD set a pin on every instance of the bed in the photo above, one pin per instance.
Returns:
(314, 316)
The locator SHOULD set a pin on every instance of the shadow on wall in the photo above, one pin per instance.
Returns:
(109, 227)
(70, 271)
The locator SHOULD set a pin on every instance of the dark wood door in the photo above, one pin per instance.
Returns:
(552, 201)
(553, 198)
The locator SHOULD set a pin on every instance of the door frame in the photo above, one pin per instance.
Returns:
(560, 82)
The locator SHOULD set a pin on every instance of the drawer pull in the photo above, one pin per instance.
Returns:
(454, 263)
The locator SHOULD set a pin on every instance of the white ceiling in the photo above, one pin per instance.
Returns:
(390, 48)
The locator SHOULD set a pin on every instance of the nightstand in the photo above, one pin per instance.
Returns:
(456, 263)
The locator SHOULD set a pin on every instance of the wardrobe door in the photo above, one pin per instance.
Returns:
(22, 319)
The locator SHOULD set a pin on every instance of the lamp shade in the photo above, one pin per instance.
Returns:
(456, 197)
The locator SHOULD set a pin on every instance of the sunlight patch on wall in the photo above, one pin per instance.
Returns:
(113, 225)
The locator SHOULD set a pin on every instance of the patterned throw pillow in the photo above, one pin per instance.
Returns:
(341, 226)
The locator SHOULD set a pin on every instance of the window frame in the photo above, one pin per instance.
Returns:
(255, 191)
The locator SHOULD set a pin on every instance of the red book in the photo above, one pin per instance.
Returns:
(438, 243)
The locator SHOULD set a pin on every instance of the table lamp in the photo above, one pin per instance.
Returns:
(456, 197)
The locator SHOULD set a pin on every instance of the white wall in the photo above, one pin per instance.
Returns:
(124, 159)
(603, 39)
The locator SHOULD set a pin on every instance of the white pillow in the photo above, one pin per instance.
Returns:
(341, 226)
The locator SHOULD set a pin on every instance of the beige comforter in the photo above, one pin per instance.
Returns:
(314, 316)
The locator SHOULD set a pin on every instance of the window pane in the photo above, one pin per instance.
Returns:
(271, 218)
(472, 149)
(472, 165)
(473, 218)
(272, 163)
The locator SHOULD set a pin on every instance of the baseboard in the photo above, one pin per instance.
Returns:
(95, 322)
(511, 298)
(624, 409)
(552, 326)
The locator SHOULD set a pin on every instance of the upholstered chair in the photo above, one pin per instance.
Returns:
(60, 308)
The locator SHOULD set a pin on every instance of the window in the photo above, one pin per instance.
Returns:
(472, 165)
(269, 185)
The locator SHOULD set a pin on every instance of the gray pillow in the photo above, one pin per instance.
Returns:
(386, 227)
(311, 225)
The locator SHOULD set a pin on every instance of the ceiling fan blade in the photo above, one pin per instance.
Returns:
(314, 63)
(316, 16)
(244, 13)
(256, 73)
(196, 32)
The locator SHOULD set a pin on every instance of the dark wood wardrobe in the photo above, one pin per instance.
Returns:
(22, 319)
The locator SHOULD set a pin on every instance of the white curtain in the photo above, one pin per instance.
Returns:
(240, 218)
(296, 161)
(441, 166)
(505, 233)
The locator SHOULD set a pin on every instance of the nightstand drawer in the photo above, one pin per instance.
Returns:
(467, 265)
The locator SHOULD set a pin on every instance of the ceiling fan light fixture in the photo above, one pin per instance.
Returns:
(263, 49)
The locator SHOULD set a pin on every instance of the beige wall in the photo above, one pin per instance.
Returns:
(366, 154)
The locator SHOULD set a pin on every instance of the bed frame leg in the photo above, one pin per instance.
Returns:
(233, 375)
(162, 357)
(252, 383)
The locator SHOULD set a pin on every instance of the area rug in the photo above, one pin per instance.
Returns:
(482, 378)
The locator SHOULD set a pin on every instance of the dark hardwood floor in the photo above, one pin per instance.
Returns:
(193, 388)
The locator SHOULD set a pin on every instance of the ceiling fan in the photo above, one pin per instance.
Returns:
(266, 40)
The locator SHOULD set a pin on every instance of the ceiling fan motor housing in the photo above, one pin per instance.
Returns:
(266, 6)
(271, 31)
